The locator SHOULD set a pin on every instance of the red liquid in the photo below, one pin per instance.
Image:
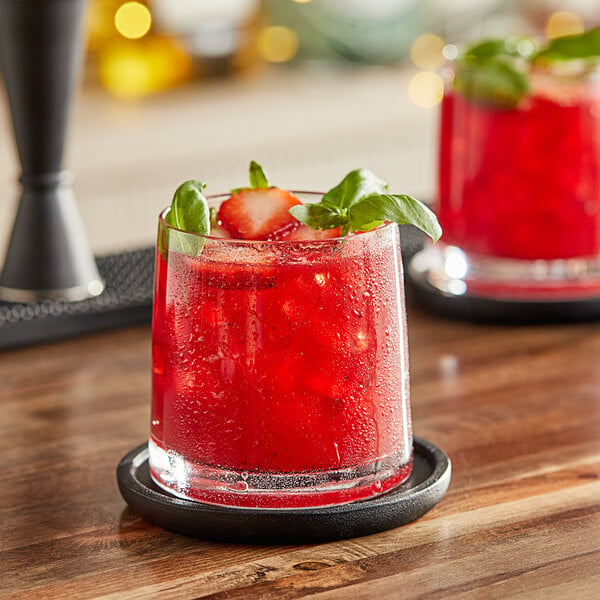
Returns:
(282, 366)
(523, 183)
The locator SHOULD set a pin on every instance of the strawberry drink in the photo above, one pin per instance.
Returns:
(519, 170)
(280, 365)
(539, 161)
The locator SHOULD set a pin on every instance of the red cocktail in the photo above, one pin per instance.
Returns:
(519, 192)
(525, 182)
(280, 369)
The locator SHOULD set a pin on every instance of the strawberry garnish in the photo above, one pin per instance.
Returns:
(258, 214)
(304, 232)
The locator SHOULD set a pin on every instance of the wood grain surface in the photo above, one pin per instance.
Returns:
(516, 408)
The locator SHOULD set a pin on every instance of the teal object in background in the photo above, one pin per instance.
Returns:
(373, 32)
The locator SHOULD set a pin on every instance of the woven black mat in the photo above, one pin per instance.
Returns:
(127, 300)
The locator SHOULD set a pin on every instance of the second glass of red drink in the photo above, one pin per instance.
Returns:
(519, 173)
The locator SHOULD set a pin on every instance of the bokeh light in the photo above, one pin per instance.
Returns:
(525, 47)
(450, 52)
(133, 69)
(100, 25)
(563, 22)
(426, 89)
(133, 20)
(427, 51)
(277, 44)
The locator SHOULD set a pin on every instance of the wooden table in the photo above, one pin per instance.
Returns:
(517, 409)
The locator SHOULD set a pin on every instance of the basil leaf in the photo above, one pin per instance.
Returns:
(375, 209)
(513, 47)
(258, 178)
(189, 208)
(569, 47)
(492, 71)
(488, 49)
(353, 187)
(188, 213)
(491, 81)
(361, 203)
(319, 216)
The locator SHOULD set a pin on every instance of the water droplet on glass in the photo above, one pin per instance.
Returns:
(320, 279)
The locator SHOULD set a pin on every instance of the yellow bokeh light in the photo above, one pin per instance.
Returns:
(100, 25)
(426, 89)
(133, 69)
(277, 43)
(302, 1)
(133, 20)
(427, 51)
(563, 22)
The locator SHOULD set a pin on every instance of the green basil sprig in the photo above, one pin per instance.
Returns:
(361, 202)
(258, 178)
(189, 208)
(188, 213)
(496, 71)
(571, 47)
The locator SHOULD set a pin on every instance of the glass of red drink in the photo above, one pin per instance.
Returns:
(280, 369)
(519, 191)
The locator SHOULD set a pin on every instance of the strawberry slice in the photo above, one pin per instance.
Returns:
(258, 213)
(304, 232)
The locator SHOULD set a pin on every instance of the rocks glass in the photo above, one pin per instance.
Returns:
(280, 369)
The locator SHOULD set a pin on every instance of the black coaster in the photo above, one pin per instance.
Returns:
(420, 493)
(490, 310)
(127, 300)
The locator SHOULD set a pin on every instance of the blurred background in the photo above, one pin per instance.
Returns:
(179, 89)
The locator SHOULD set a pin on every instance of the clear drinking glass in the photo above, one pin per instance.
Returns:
(519, 192)
(280, 369)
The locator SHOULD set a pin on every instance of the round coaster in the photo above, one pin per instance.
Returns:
(470, 307)
(424, 488)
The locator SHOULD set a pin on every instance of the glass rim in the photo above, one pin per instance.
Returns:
(348, 236)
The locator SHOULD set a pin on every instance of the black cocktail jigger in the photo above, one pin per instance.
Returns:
(48, 256)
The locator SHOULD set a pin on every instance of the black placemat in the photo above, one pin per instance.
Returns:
(470, 307)
(127, 300)
(424, 488)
